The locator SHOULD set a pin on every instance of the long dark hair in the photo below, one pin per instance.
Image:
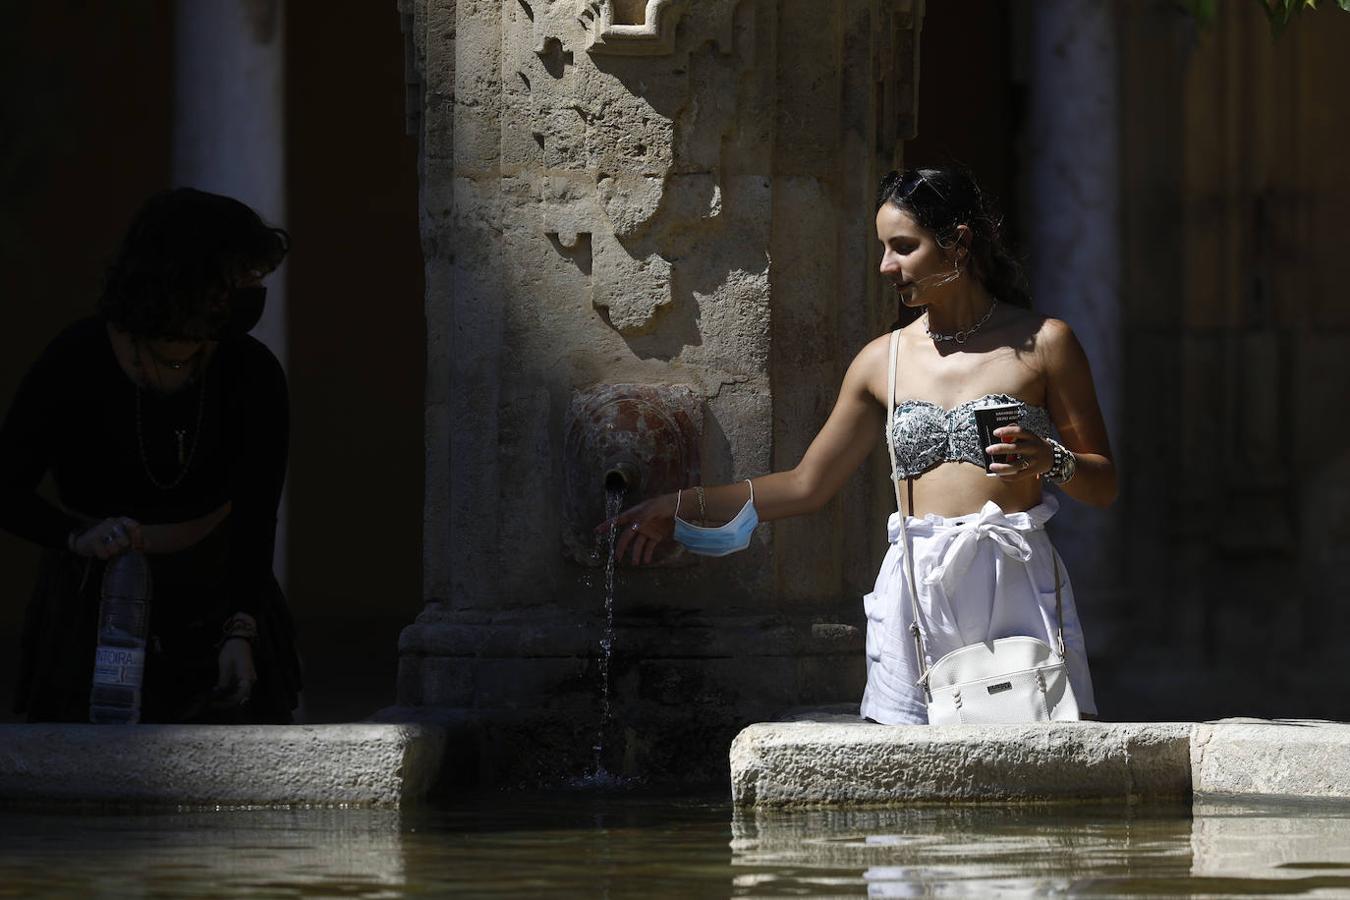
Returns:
(940, 200)
(183, 252)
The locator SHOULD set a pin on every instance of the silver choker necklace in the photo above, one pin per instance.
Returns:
(961, 336)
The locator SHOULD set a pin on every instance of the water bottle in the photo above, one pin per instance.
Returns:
(123, 622)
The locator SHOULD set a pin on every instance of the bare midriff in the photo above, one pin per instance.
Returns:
(959, 488)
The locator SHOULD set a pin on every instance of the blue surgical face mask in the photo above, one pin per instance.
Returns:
(729, 538)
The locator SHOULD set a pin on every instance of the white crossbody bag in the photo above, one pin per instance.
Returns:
(1011, 680)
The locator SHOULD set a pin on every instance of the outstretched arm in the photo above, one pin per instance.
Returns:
(847, 437)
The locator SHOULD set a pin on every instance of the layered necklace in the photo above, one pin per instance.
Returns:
(185, 452)
(961, 336)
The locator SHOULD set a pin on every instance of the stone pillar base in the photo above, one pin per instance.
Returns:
(523, 691)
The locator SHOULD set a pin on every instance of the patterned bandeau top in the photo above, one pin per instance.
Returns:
(926, 434)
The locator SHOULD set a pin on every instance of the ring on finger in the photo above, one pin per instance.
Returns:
(635, 526)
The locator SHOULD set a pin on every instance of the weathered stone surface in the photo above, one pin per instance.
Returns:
(609, 199)
(528, 634)
(225, 765)
(828, 756)
(633, 27)
(1305, 759)
(818, 764)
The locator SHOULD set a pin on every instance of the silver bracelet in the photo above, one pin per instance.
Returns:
(1064, 464)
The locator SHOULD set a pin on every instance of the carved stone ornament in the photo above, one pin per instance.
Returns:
(613, 31)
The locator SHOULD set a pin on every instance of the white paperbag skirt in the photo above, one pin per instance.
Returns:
(980, 577)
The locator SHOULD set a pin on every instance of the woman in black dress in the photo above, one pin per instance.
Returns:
(164, 427)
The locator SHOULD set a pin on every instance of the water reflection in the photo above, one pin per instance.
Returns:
(316, 852)
(1227, 850)
(920, 852)
(598, 844)
(1292, 846)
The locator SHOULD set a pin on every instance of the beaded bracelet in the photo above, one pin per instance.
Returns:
(1064, 464)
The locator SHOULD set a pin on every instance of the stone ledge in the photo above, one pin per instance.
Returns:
(1304, 759)
(818, 764)
(219, 765)
(829, 758)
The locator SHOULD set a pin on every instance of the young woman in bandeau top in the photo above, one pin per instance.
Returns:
(984, 567)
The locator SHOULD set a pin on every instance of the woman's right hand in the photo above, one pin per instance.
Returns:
(644, 527)
(109, 538)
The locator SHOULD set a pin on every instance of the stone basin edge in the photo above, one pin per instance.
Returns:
(357, 764)
(833, 763)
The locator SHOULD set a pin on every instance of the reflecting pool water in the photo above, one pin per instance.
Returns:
(633, 844)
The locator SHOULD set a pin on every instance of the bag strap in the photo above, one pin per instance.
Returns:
(890, 412)
(915, 629)
(1059, 606)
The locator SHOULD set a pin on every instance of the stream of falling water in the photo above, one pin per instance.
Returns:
(598, 775)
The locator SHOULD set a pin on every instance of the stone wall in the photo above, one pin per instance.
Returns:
(613, 193)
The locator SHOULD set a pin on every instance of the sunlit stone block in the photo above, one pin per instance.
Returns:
(833, 763)
(1298, 758)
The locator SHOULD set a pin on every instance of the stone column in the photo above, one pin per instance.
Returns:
(229, 129)
(649, 256)
(1074, 233)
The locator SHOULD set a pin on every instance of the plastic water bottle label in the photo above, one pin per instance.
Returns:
(119, 666)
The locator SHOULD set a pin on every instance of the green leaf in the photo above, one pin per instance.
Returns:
(1204, 12)
(1279, 12)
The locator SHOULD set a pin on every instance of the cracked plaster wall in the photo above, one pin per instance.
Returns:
(679, 194)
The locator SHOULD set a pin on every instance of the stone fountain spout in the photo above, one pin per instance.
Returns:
(623, 475)
(641, 440)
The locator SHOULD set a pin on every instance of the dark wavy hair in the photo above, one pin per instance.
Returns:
(183, 253)
(940, 200)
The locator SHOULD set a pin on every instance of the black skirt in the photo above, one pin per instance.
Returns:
(187, 607)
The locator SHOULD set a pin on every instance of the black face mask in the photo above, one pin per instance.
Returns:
(246, 308)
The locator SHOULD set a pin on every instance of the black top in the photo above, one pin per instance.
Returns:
(77, 415)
